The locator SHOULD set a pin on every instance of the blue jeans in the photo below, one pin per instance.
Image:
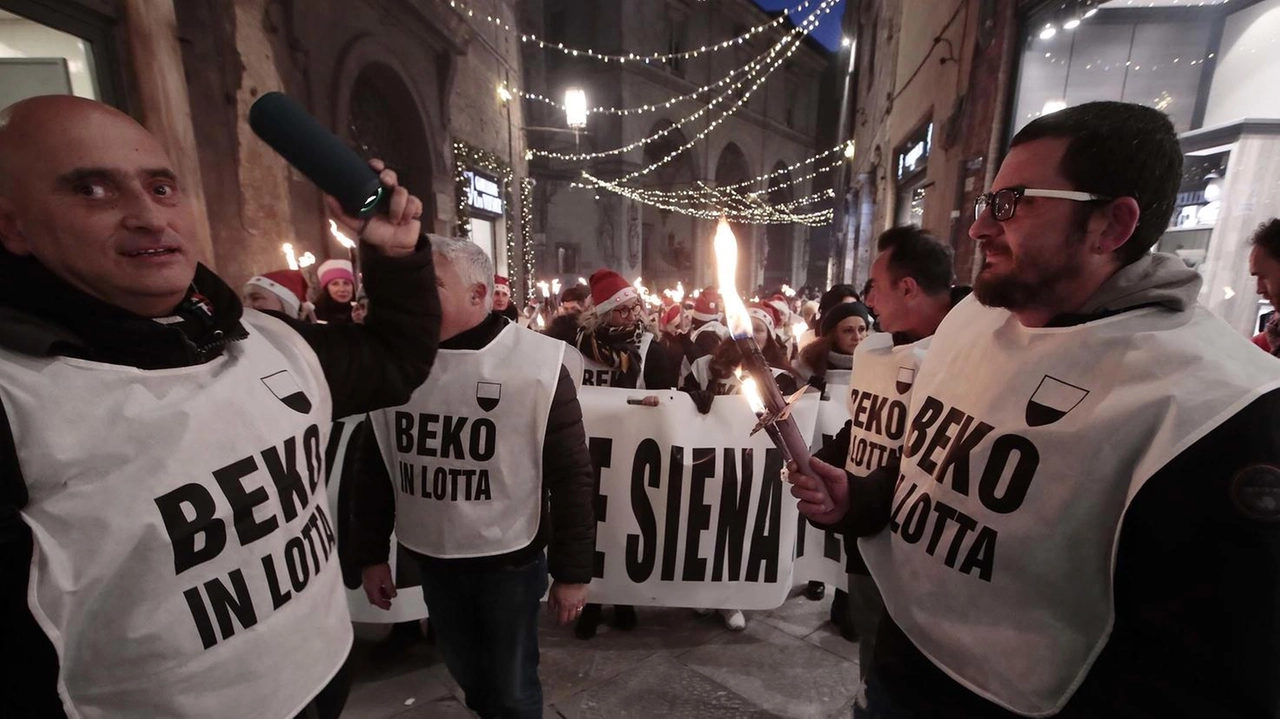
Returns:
(487, 628)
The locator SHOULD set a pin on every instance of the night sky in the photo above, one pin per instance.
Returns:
(827, 32)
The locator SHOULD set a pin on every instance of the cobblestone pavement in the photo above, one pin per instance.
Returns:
(790, 662)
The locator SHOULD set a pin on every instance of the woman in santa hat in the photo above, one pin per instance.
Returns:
(611, 337)
(283, 291)
(337, 290)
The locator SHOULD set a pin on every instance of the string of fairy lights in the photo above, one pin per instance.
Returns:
(630, 57)
(787, 47)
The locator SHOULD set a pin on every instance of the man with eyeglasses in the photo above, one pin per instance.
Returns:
(1085, 520)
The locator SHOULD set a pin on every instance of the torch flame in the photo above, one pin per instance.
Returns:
(582, 281)
(289, 256)
(342, 239)
(726, 246)
(306, 260)
(752, 393)
(545, 289)
(541, 322)
(788, 291)
(555, 287)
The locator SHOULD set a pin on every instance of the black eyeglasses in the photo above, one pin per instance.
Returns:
(1004, 203)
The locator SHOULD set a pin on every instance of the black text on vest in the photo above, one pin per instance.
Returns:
(256, 497)
(443, 436)
(601, 378)
(883, 421)
(943, 441)
(750, 496)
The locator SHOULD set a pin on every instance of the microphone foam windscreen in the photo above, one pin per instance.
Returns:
(317, 153)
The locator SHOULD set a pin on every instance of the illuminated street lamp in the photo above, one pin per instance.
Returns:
(575, 108)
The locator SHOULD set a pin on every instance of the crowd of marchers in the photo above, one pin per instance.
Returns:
(1079, 517)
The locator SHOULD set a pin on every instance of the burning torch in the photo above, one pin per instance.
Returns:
(773, 410)
(350, 244)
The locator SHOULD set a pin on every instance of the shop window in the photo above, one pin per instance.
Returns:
(1148, 56)
(38, 59)
(912, 172)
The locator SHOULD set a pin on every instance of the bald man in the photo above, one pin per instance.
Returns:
(164, 545)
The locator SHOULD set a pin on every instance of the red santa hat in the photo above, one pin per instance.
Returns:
(671, 316)
(707, 307)
(609, 289)
(501, 284)
(331, 270)
(289, 285)
(766, 313)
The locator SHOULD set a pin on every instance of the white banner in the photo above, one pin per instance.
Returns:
(691, 510)
(820, 555)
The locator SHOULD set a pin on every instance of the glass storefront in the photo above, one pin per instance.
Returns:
(1212, 67)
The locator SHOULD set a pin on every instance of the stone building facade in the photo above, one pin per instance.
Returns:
(928, 120)
(412, 81)
(578, 229)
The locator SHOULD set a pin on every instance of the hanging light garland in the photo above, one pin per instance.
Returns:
(787, 45)
(526, 230)
(498, 22)
(761, 214)
(506, 91)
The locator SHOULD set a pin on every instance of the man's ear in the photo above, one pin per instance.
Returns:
(908, 288)
(1114, 225)
(479, 291)
(11, 237)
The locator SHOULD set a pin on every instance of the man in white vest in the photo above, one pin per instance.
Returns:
(1086, 520)
(911, 292)
(164, 541)
(482, 470)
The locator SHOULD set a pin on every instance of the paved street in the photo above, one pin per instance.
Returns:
(790, 662)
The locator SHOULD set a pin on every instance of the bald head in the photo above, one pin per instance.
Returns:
(92, 195)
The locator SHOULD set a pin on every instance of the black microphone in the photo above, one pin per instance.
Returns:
(317, 153)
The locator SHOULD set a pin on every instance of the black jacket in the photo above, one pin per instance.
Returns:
(567, 526)
(366, 367)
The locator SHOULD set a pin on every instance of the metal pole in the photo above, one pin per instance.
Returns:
(839, 230)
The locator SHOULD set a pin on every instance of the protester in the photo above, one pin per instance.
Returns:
(616, 349)
(564, 325)
(843, 328)
(707, 329)
(1080, 433)
(477, 513)
(673, 325)
(911, 288)
(360, 309)
(337, 290)
(1264, 264)
(164, 445)
(838, 294)
(573, 300)
(283, 291)
(502, 303)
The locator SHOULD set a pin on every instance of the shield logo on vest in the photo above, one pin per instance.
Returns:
(285, 388)
(1052, 400)
(488, 395)
(906, 378)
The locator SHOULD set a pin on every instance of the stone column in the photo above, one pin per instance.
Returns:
(152, 33)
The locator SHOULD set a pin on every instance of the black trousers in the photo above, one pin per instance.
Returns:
(329, 703)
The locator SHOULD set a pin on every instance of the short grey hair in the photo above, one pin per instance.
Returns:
(473, 265)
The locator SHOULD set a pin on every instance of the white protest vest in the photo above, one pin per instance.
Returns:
(714, 328)
(598, 374)
(184, 561)
(465, 453)
(879, 395)
(1024, 448)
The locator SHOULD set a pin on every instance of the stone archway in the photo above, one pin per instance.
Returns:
(669, 238)
(383, 121)
(732, 169)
